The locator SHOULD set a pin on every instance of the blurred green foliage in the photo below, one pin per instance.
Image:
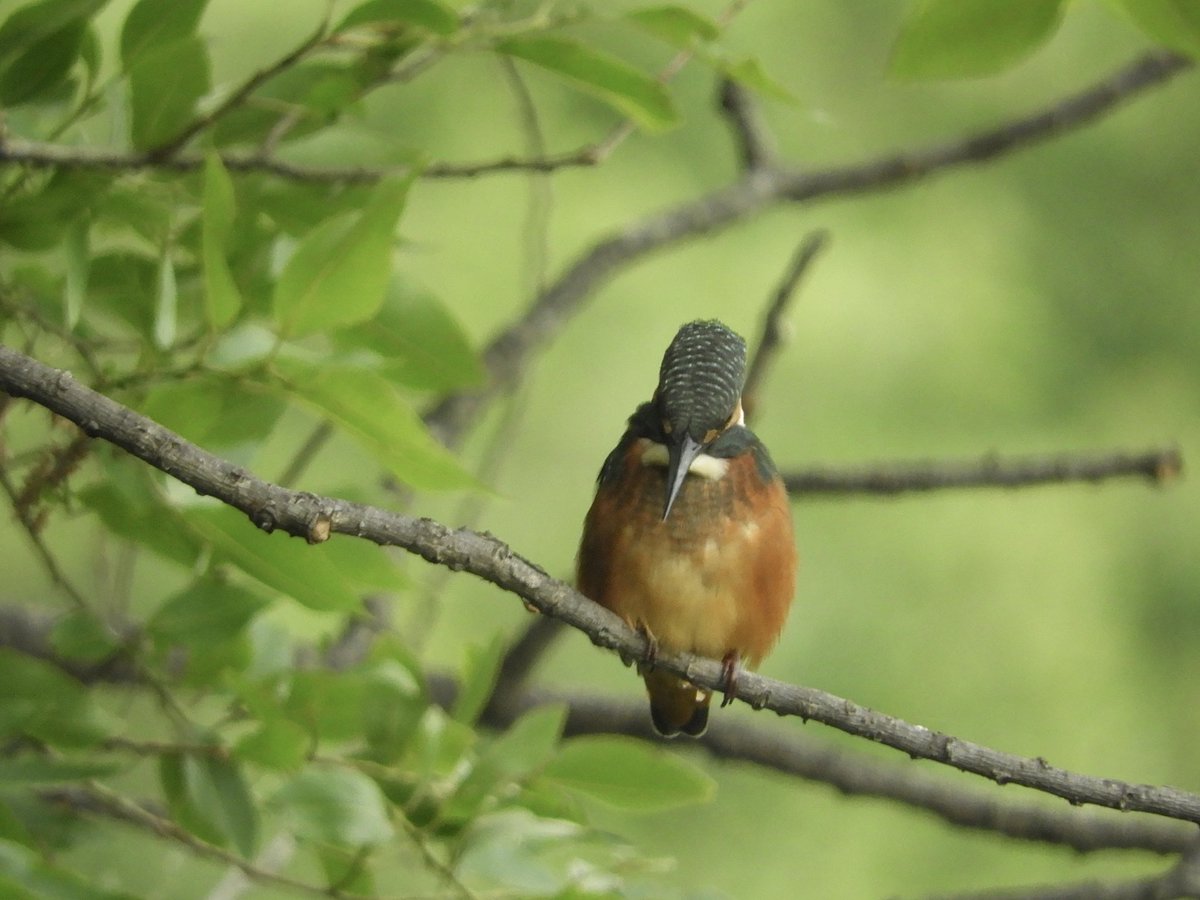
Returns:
(206, 277)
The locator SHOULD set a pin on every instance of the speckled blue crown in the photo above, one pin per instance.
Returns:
(700, 381)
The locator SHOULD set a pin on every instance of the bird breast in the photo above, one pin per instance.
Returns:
(715, 577)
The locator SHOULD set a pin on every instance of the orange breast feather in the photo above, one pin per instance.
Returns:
(715, 578)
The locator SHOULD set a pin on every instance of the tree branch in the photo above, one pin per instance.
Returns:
(771, 338)
(791, 753)
(1181, 880)
(101, 801)
(1135, 889)
(175, 143)
(888, 479)
(313, 517)
(755, 144)
(759, 189)
(856, 774)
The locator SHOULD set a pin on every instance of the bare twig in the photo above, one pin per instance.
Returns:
(303, 457)
(1075, 111)
(1072, 112)
(772, 331)
(536, 226)
(313, 517)
(599, 152)
(755, 145)
(1180, 881)
(96, 799)
(1135, 889)
(887, 479)
(30, 526)
(166, 155)
(176, 142)
(517, 665)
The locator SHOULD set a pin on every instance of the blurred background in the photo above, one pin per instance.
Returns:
(1042, 303)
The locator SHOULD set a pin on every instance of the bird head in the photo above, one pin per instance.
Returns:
(699, 395)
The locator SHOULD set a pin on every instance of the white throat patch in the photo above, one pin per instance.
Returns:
(710, 467)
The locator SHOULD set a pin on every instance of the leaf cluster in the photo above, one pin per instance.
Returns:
(232, 305)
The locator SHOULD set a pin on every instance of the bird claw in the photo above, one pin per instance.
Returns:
(646, 663)
(729, 676)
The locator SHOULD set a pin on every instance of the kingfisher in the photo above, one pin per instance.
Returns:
(689, 537)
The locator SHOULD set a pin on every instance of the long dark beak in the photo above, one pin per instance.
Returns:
(679, 460)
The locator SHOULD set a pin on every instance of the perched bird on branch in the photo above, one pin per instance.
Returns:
(689, 538)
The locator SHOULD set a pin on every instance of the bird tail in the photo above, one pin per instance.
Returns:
(676, 704)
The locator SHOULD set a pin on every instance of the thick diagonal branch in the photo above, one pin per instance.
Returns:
(272, 508)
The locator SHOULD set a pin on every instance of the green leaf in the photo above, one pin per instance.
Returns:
(131, 511)
(530, 741)
(209, 795)
(382, 702)
(41, 770)
(215, 410)
(292, 567)
(208, 612)
(166, 306)
(523, 853)
(40, 701)
(39, 44)
(77, 261)
(338, 274)
(296, 208)
(276, 744)
(419, 341)
(517, 753)
(328, 705)
(393, 703)
(39, 219)
(628, 774)
(969, 38)
(79, 635)
(676, 25)
(366, 565)
(427, 14)
(23, 874)
(42, 68)
(337, 806)
(312, 95)
(349, 869)
(222, 298)
(367, 407)
(440, 744)
(89, 53)
(164, 85)
(152, 23)
(632, 92)
(1173, 23)
(37, 21)
(749, 73)
(478, 678)
(221, 793)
